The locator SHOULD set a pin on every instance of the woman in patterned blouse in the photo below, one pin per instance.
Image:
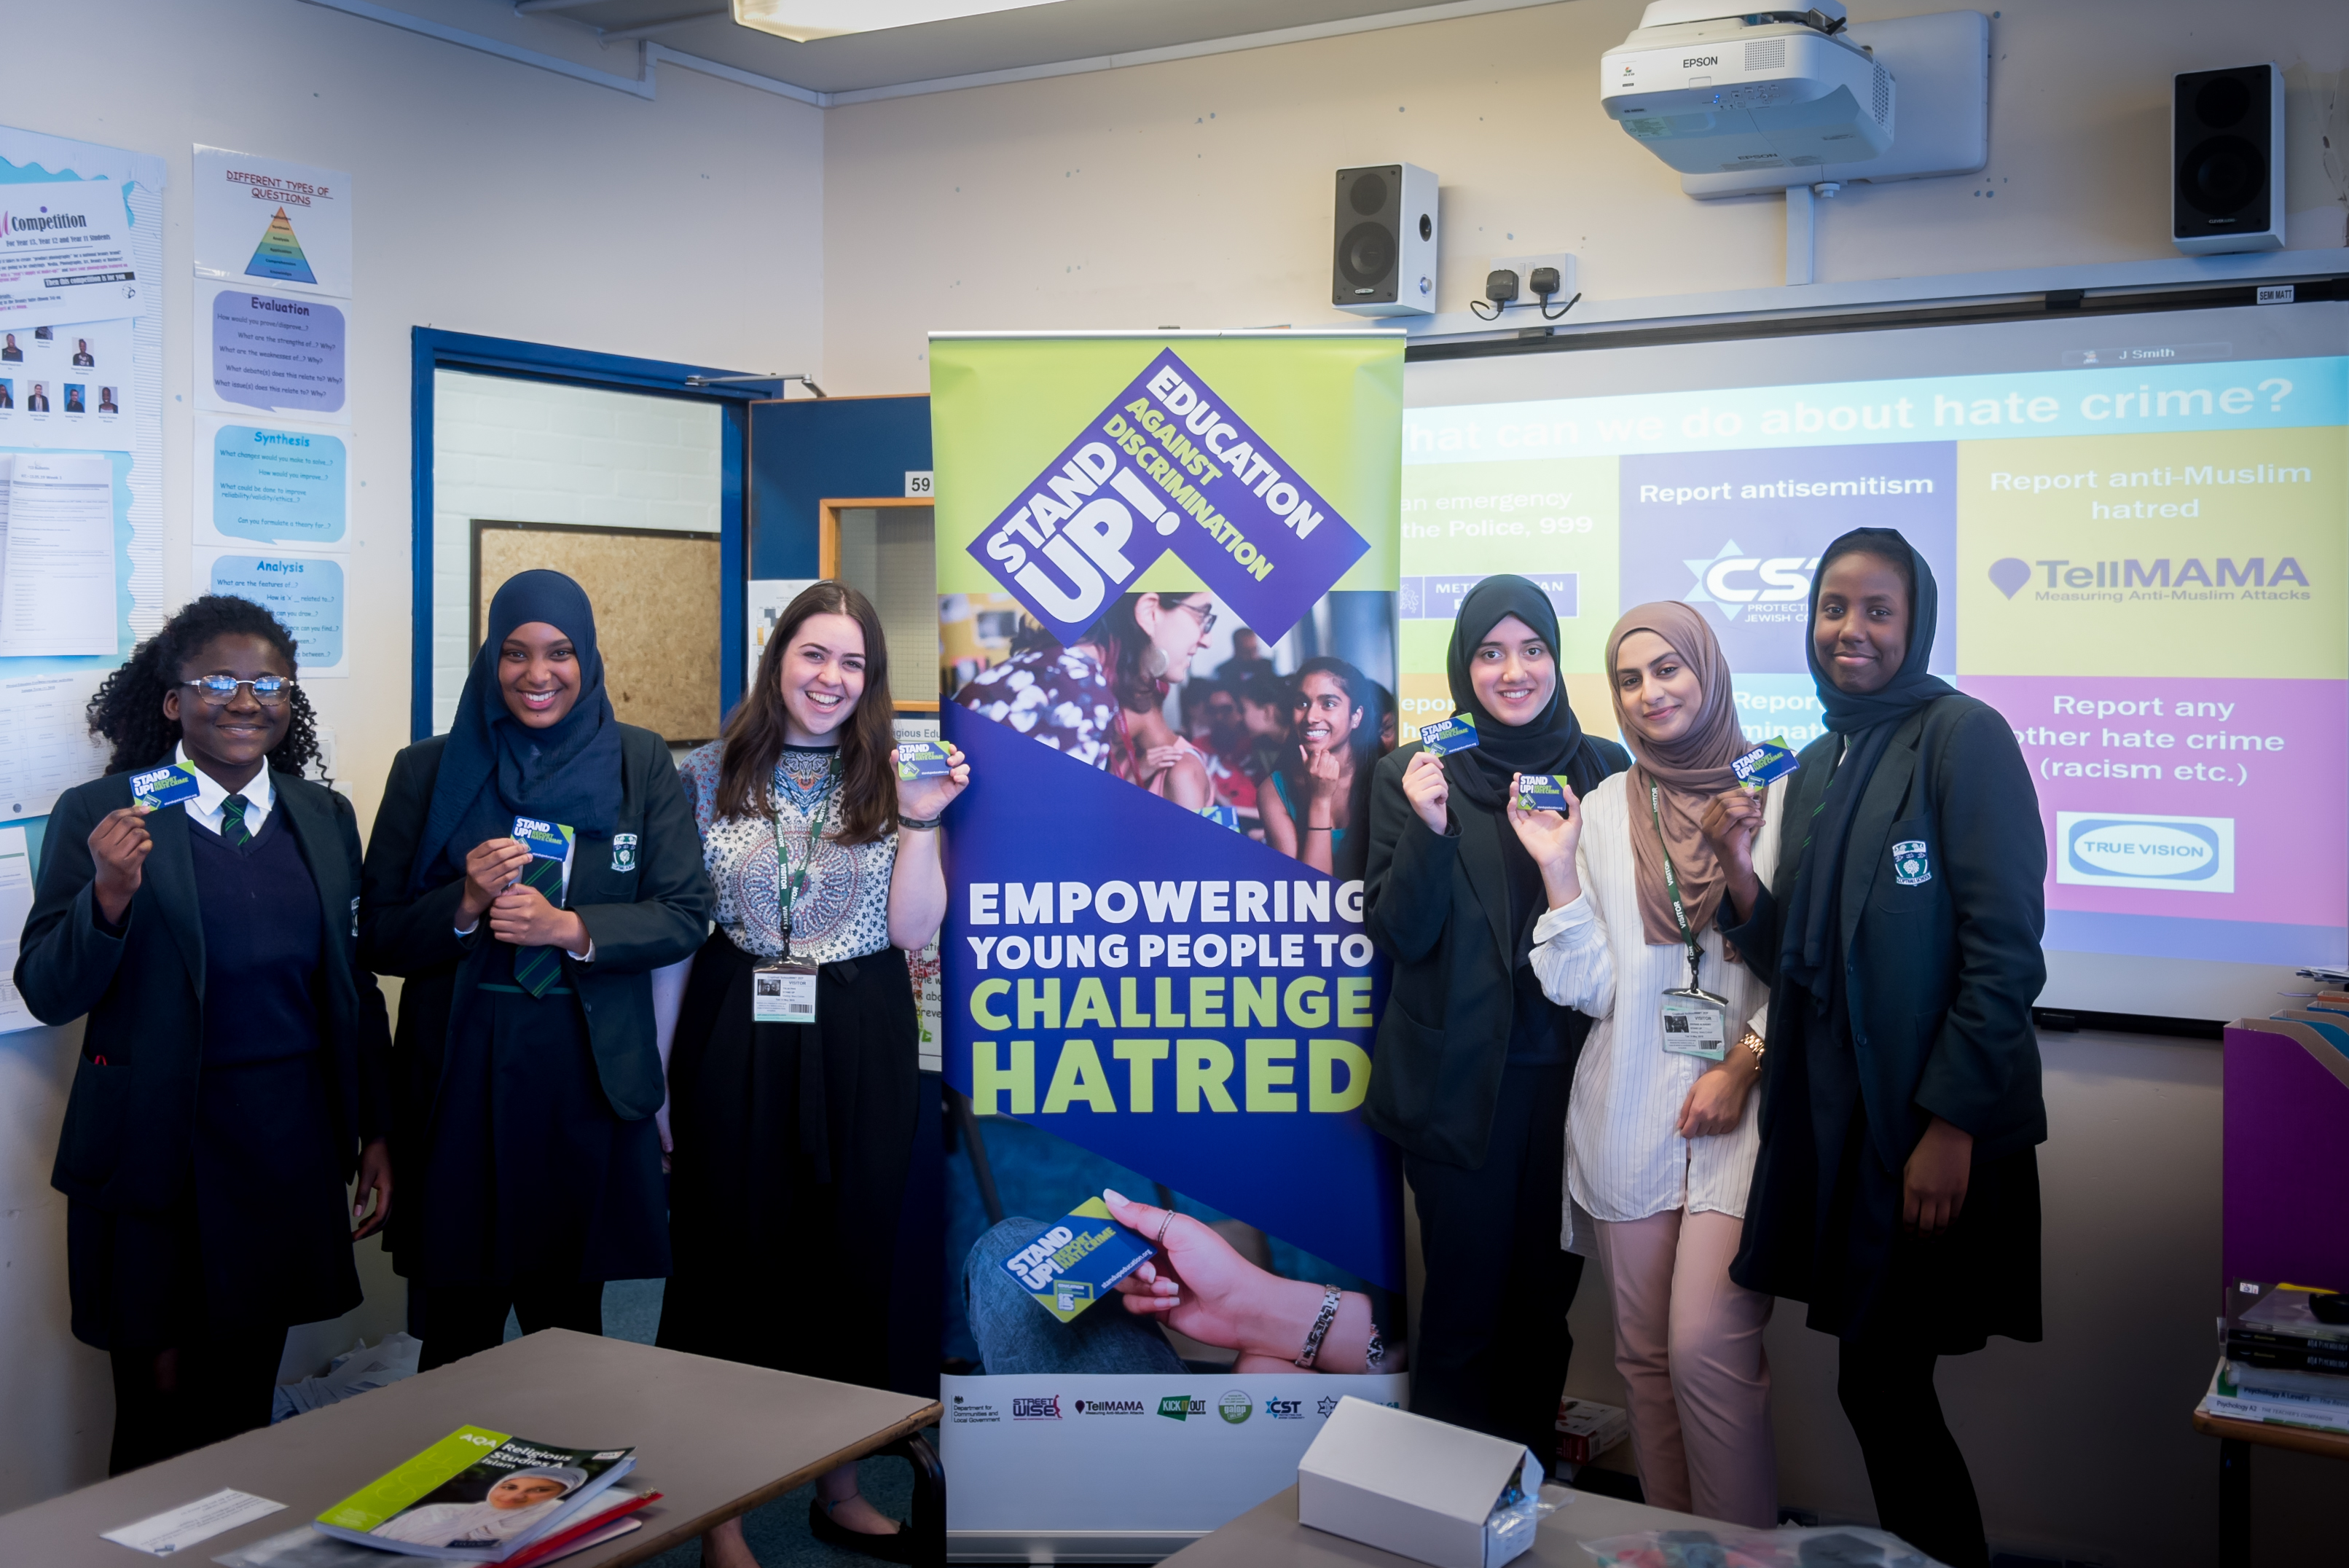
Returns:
(792, 1140)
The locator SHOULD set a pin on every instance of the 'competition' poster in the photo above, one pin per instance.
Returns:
(1167, 574)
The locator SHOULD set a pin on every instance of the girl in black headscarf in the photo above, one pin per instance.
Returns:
(1897, 1189)
(527, 873)
(1473, 1060)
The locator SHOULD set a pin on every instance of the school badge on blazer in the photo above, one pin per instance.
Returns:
(1911, 866)
(624, 852)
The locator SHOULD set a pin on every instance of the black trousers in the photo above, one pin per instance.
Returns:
(207, 1390)
(1924, 1493)
(1493, 1342)
(457, 1321)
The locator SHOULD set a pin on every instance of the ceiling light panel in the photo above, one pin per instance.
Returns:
(803, 21)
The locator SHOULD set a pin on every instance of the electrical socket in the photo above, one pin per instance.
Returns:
(1523, 266)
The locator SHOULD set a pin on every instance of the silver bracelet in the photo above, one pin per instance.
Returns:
(1375, 1352)
(1332, 1295)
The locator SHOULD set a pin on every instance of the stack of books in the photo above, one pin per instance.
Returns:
(2284, 1365)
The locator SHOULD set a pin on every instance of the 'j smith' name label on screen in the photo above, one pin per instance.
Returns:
(1168, 465)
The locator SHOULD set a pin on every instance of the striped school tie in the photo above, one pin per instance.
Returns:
(535, 969)
(232, 828)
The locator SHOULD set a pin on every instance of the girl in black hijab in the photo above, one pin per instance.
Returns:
(527, 873)
(1474, 1060)
(1897, 1189)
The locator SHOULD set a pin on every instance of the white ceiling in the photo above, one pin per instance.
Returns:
(1039, 35)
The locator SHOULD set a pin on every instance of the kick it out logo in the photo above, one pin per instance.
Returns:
(1761, 587)
(1168, 465)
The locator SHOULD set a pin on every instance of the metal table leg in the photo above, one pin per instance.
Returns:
(2234, 1503)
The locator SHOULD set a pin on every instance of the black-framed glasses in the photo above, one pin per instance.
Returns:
(220, 690)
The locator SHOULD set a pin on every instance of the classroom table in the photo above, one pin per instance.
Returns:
(1268, 1536)
(2236, 1440)
(715, 1438)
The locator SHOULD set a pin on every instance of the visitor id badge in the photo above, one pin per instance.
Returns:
(1446, 736)
(1696, 1023)
(1764, 765)
(784, 991)
(159, 787)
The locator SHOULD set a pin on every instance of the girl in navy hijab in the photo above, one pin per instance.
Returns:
(528, 872)
(1897, 1189)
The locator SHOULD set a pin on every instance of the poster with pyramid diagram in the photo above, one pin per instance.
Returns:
(268, 223)
(279, 256)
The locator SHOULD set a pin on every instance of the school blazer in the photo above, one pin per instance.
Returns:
(128, 1121)
(1438, 906)
(1942, 960)
(644, 911)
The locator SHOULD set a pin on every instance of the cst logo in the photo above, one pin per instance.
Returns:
(1733, 581)
(1284, 1409)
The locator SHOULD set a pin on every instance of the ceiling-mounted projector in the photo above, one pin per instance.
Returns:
(1713, 89)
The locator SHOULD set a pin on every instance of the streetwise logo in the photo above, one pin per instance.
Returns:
(1036, 1407)
(1168, 465)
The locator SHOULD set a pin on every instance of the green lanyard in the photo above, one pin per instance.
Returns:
(1673, 881)
(789, 884)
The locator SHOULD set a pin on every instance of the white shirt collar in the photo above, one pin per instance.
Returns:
(260, 796)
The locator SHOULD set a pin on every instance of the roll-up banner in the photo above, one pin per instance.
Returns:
(1167, 579)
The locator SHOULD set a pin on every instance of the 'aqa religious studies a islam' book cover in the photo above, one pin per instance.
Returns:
(475, 1496)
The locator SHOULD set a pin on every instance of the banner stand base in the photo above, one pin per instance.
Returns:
(1066, 1545)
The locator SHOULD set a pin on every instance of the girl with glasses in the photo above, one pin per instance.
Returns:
(233, 1071)
(528, 872)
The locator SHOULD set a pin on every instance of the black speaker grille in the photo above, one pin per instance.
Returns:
(1366, 254)
(2222, 176)
(2223, 102)
(1369, 197)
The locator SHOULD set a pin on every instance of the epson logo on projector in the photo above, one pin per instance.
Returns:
(1695, 60)
(2187, 854)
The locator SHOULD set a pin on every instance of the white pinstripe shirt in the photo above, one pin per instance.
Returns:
(1624, 1159)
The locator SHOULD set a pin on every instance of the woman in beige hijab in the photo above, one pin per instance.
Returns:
(1661, 1132)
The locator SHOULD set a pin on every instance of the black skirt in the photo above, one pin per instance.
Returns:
(258, 1237)
(1823, 1220)
(523, 1174)
(792, 1143)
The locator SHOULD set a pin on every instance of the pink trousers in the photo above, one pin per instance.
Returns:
(1688, 1341)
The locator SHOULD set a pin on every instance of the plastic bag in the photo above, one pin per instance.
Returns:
(1836, 1546)
(354, 1371)
(1517, 1514)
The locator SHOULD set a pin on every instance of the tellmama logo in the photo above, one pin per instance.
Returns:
(2165, 577)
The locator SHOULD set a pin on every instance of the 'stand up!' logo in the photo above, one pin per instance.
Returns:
(1168, 465)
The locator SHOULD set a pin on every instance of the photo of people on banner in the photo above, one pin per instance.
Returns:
(1166, 692)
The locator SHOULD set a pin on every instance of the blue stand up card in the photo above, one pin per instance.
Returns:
(1077, 1259)
(166, 785)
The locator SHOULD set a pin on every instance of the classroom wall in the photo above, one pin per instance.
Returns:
(489, 198)
(530, 451)
(1197, 193)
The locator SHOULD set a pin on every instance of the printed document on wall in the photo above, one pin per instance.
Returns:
(15, 903)
(267, 221)
(56, 571)
(46, 718)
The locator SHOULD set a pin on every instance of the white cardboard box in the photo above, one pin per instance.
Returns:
(1408, 1484)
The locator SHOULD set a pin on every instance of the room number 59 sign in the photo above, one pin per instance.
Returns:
(918, 486)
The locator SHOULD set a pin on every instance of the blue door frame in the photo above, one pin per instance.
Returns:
(432, 350)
